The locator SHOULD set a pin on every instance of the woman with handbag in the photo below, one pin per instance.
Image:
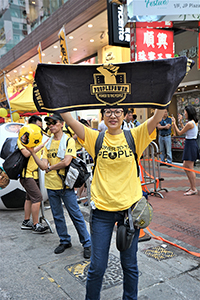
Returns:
(191, 151)
(115, 187)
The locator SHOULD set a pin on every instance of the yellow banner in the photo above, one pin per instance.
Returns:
(3, 99)
(39, 49)
(63, 46)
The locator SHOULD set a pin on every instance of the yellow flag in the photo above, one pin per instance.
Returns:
(63, 46)
(39, 49)
(2, 90)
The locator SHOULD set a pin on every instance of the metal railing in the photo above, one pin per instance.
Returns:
(150, 170)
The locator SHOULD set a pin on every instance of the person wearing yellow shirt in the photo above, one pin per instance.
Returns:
(115, 187)
(57, 156)
(30, 182)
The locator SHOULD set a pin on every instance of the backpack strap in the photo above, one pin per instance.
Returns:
(98, 145)
(62, 177)
(131, 143)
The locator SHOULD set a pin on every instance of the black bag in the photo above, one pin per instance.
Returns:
(14, 164)
(76, 173)
(9, 146)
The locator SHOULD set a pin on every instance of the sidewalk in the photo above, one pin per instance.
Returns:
(29, 269)
(177, 215)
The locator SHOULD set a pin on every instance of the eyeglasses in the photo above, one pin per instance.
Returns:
(53, 122)
(116, 112)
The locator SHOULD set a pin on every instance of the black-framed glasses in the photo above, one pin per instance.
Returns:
(116, 112)
(53, 122)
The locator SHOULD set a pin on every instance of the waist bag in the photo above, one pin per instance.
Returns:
(139, 215)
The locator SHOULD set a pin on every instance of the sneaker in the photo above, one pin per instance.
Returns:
(27, 225)
(87, 252)
(61, 248)
(39, 228)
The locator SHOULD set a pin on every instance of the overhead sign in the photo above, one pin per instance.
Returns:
(154, 44)
(118, 35)
(159, 24)
(157, 10)
(163, 7)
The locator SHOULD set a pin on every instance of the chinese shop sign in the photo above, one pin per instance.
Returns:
(154, 44)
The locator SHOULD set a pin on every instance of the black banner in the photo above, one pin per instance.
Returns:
(60, 88)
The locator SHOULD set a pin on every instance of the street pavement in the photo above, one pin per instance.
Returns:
(29, 269)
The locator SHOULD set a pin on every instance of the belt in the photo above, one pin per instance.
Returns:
(165, 134)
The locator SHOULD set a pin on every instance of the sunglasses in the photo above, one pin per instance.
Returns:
(53, 122)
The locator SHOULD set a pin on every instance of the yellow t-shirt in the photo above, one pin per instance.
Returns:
(52, 180)
(115, 185)
(32, 167)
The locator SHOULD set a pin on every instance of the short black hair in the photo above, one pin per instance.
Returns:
(134, 116)
(84, 122)
(102, 111)
(127, 111)
(33, 119)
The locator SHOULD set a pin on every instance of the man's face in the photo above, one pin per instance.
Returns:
(129, 117)
(113, 118)
(55, 126)
(39, 123)
(4, 180)
(13, 127)
(165, 114)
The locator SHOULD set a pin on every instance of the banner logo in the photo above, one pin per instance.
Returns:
(109, 86)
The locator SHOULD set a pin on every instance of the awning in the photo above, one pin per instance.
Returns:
(23, 103)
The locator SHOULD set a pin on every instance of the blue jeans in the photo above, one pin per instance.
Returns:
(70, 201)
(165, 143)
(101, 226)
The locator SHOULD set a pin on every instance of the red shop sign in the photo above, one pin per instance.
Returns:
(154, 44)
(159, 24)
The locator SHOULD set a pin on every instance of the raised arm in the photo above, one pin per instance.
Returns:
(27, 153)
(185, 128)
(154, 120)
(42, 163)
(76, 126)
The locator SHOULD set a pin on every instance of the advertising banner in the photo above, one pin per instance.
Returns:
(118, 35)
(157, 10)
(164, 7)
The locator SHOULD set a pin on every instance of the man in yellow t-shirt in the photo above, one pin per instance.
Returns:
(30, 182)
(115, 187)
(57, 157)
